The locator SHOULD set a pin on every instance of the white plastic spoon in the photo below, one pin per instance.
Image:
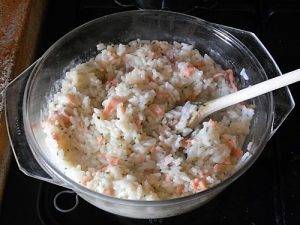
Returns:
(242, 95)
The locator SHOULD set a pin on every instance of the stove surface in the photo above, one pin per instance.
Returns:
(268, 193)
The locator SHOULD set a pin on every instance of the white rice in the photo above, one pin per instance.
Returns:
(118, 125)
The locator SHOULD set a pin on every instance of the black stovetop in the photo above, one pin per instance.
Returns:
(269, 193)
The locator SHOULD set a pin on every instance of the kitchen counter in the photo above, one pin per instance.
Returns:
(19, 29)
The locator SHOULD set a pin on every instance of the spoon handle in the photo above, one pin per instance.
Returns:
(244, 94)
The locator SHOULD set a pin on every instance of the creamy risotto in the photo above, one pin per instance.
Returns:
(119, 123)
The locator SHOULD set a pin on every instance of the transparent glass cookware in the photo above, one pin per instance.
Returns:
(232, 48)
